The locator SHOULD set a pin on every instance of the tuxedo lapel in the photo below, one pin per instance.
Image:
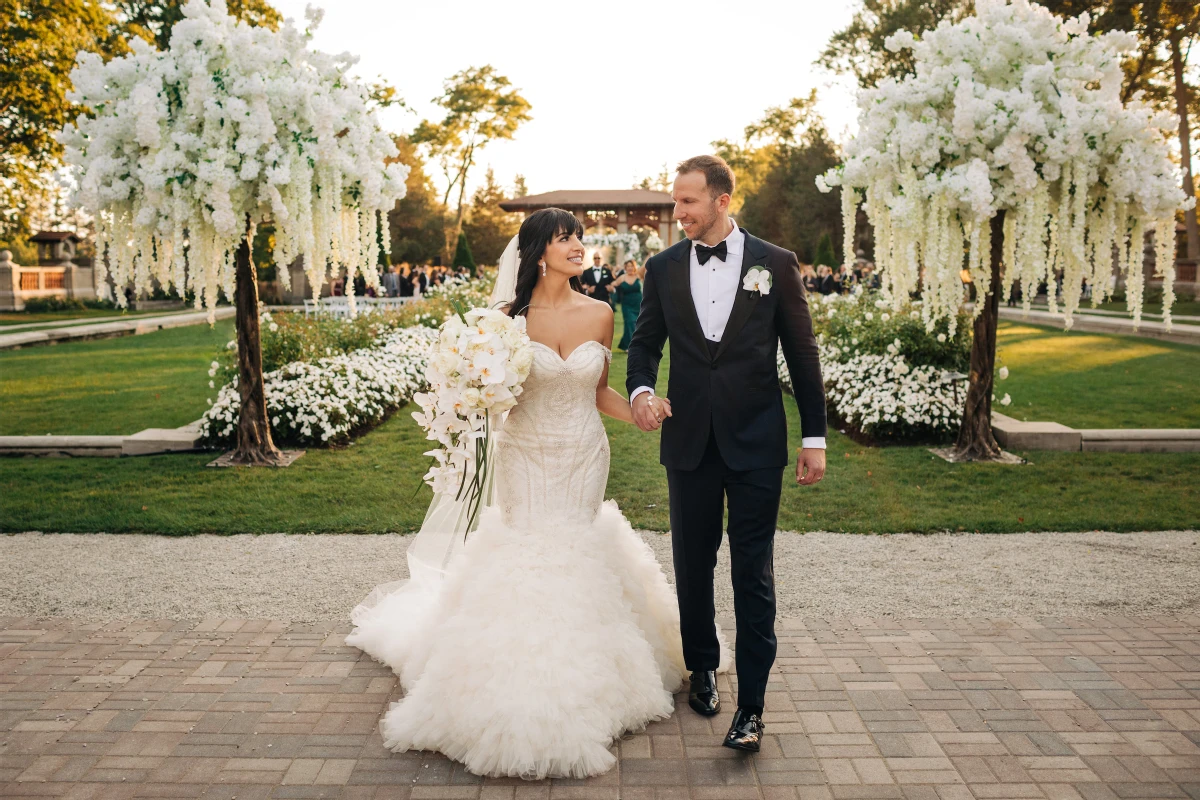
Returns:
(753, 254)
(679, 273)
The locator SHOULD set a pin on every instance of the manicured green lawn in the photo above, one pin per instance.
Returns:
(109, 386)
(1091, 380)
(374, 485)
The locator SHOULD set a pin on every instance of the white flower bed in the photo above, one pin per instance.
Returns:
(885, 396)
(322, 402)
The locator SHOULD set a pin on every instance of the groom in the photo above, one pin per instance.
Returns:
(726, 301)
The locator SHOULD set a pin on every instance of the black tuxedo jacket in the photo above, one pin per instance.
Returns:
(606, 277)
(735, 392)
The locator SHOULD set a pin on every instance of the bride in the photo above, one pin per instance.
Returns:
(527, 649)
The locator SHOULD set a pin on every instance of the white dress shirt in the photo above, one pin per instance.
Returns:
(714, 286)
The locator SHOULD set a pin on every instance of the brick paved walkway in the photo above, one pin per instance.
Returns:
(861, 708)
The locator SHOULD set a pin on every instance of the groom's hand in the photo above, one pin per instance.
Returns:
(649, 411)
(810, 466)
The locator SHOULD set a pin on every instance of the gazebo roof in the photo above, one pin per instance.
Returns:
(54, 236)
(589, 199)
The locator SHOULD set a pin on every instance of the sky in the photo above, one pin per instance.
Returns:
(618, 88)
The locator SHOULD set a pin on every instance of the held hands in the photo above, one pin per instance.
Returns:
(810, 466)
(649, 411)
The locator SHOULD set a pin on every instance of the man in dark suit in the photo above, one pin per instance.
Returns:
(726, 300)
(596, 279)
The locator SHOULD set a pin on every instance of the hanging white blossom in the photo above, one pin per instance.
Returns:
(628, 242)
(654, 243)
(180, 148)
(1012, 109)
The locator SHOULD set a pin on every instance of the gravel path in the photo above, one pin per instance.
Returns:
(306, 578)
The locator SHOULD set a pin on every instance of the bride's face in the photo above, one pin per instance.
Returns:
(564, 254)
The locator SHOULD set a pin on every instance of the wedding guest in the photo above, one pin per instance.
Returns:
(390, 281)
(596, 279)
(627, 289)
(825, 281)
(405, 280)
(809, 277)
(845, 280)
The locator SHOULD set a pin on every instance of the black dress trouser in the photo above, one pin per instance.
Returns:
(697, 513)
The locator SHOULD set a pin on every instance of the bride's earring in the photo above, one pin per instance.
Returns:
(543, 269)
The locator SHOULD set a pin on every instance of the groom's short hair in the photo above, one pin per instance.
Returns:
(717, 173)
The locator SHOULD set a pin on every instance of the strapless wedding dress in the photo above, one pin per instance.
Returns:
(554, 630)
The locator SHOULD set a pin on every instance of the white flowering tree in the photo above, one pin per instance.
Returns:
(183, 152)
(1009, 154)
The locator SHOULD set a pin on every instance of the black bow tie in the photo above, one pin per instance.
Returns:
(704, 253)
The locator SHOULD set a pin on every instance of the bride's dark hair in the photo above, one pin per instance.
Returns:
(537, 231)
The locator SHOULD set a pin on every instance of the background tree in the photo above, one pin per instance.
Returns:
(463, 256)
(38, 43)
(1029, 195)
(776, 166)
(519, 187)
(169, 222)
(825, 257)
(481, 107)
(487, 226)
(153, 20)
(858, 48)
(418, 221)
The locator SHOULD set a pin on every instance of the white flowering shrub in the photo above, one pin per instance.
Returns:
(862, 322)
(325, 401)
(885, 374)
(182, 151)
(1015, 110)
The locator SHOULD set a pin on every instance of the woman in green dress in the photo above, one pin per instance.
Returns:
(627, 289)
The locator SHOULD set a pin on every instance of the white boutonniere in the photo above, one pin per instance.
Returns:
(758, 280)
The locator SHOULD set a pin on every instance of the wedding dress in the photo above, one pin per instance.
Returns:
(553, 630)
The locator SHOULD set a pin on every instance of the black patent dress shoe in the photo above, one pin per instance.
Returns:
(746, 732)
(702, 694)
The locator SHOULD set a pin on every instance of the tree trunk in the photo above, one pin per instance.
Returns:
(254, 445)
(975, 439)
(1185, 150)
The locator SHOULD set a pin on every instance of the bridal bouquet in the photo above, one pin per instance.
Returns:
(475, 373)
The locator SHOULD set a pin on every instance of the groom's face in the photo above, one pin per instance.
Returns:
(695, 207)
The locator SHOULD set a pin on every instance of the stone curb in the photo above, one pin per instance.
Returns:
(104, 330)
(143, 443)
(1013, 434)
(1179, 333)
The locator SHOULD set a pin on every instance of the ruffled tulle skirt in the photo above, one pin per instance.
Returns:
(537, 649)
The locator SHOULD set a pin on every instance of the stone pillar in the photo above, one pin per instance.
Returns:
(665, 231)
(79, 282)
(10, 297)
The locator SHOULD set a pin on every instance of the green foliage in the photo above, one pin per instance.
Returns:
(858, 48)
(462, 254)
(481, 107)
(38, 43)
(417, 222)
(153, 19)
(864, 323)
(776, 166)
(489, 227)
(56, 303)
(824, 255)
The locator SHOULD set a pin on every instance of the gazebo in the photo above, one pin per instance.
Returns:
(619, 209)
